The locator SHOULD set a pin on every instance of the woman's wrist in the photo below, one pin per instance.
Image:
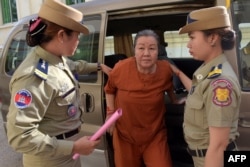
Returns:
(178, 73)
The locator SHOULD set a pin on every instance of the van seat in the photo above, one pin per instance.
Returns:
(111, 60)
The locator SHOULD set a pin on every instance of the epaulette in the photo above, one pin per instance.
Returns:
(215, 71)
(41, 70)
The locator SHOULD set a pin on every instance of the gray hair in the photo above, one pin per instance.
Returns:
(147, 32)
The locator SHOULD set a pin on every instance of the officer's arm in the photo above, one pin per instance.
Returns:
(219, 139)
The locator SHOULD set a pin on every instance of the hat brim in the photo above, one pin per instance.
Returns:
(59, 18)
(218, 22)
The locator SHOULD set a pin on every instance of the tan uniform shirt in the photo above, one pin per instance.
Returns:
(213, 101)
(43, 104)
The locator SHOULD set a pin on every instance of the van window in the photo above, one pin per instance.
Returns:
(177, 44)
(88, 47)
(241, 10)
(109, 45)
(87, 50)
(17, 52)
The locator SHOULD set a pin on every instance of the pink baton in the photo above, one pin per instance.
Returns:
(104, 127)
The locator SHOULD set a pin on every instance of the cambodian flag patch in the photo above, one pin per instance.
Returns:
(22, 99)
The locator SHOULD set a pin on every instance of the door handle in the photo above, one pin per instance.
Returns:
(87, 102)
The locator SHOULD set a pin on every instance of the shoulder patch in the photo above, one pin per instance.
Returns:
(22, 98)
(222, 90)
(215, 71)
(41, 70)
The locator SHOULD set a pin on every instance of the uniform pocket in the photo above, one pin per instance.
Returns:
(194, 112)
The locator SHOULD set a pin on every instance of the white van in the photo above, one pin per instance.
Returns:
(112, 25)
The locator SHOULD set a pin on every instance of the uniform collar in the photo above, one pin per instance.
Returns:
(50, 58)
(201, 73)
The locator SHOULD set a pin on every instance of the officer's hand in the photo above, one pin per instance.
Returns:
(84, 146)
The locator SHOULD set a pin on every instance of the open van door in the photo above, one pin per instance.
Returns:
(92, 102)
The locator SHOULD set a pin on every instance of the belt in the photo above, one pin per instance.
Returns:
(68, 134)
(202, 152)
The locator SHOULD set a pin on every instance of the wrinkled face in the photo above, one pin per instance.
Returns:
(146, 52)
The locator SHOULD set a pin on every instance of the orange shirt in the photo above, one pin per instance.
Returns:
(141, 97)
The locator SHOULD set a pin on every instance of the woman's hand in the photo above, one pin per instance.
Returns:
(84, 146)
(106, 69)
(175, 70)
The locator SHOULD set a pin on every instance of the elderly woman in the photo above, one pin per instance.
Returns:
(137, 85)
(212, 105)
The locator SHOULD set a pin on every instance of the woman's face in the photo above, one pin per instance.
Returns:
(70, 43)
(199, 45)
(146, 52)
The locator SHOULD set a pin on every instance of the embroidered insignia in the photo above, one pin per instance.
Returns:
(215, 71)
(42, 69)
(222, 92)
(72, 110)
(22, 98)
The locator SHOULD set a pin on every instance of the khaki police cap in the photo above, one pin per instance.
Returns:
(207, 18)
(63, 15)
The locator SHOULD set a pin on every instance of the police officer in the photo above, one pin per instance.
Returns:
(44, 118)
(212, 105)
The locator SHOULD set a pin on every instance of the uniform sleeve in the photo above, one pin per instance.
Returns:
(30, 97)
(222, 101)
(81, 66)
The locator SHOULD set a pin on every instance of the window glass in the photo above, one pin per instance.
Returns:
(9, 11)
(88, 47)
(241, 11)
(109, 45)
(177, 44)
(17, 52)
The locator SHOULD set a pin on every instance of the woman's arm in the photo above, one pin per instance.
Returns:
(184, 79)
(110, 101)
(219, 139)
(84, 67)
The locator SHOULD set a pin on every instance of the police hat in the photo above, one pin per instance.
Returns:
(206, 18)
(63, 15)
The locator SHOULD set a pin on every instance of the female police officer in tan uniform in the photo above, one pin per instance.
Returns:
(212, 105)
(44, 117)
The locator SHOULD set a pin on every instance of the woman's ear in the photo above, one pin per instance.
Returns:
(213, 38)
(60, 35)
